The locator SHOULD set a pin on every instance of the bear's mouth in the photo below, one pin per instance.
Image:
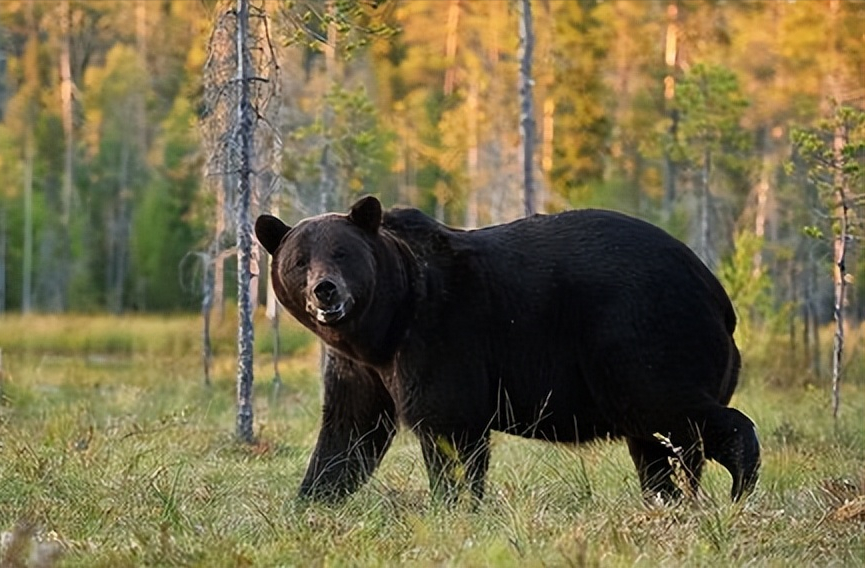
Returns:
(331, 314)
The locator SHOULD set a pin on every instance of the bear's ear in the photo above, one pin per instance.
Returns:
(270, 231)
(366, 213)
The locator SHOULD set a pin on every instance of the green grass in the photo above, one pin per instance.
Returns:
(111, 446)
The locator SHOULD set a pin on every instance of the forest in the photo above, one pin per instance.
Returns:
(706, 117)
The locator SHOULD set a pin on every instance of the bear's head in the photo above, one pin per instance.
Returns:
(333, 272)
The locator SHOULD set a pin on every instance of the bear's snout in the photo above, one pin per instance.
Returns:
(329, 301)
(325, 292)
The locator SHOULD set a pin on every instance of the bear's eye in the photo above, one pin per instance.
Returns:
(301, 262)
(338, 254)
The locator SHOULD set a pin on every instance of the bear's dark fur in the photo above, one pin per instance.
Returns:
(565, 327)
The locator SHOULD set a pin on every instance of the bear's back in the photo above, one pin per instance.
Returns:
(589, 245)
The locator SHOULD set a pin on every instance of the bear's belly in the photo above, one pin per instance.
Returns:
(567, 419)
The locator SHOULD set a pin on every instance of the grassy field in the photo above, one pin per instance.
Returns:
(114, 453)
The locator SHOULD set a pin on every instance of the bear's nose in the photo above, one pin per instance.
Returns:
(325, 291)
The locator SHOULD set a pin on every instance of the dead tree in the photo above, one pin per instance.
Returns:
(238, 87)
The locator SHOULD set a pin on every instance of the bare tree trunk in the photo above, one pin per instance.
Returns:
(762, 206)
(527, 111)
(119, 235)
(792, 286)
(706, 251)
(472, 155)
(66, 113)
(451, 42)
(27, 260)
(218, 259)
(811, 331)
(327, 177)
(139, 144)
(816, 347)
(243, 137)
(671, 56)
(209, 264)
(31, 67)
(806, 316)
(66, 108)
(141, 44)
(255, 251)
(549, 126)
(327, 171)
(272, 313)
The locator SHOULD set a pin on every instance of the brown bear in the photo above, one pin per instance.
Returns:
(569, 327)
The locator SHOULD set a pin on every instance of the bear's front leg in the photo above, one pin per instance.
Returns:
(357, 427)
(454, 461)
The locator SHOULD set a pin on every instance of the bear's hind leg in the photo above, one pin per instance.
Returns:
(654, 464)
(653, 467)
(454, 462)
(730, 438)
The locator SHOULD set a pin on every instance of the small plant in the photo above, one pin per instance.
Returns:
(681, 475)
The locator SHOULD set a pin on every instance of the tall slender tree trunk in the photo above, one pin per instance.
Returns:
(451, 42)
(66, 108)
(141, 44)
(31, 69)
(839, 184)
(706, 251)
(472, 161)
(812, 317)
(272, 313)
(549, 129)
(451, 45)
(218, 259)
(671, 56)
(27, 253)
(327, 169)
(254, 252)
(527, 110)
(65, 263)
(209, 264)
(840, 267)
(243, 137)
(762, 206)
(119, 234)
